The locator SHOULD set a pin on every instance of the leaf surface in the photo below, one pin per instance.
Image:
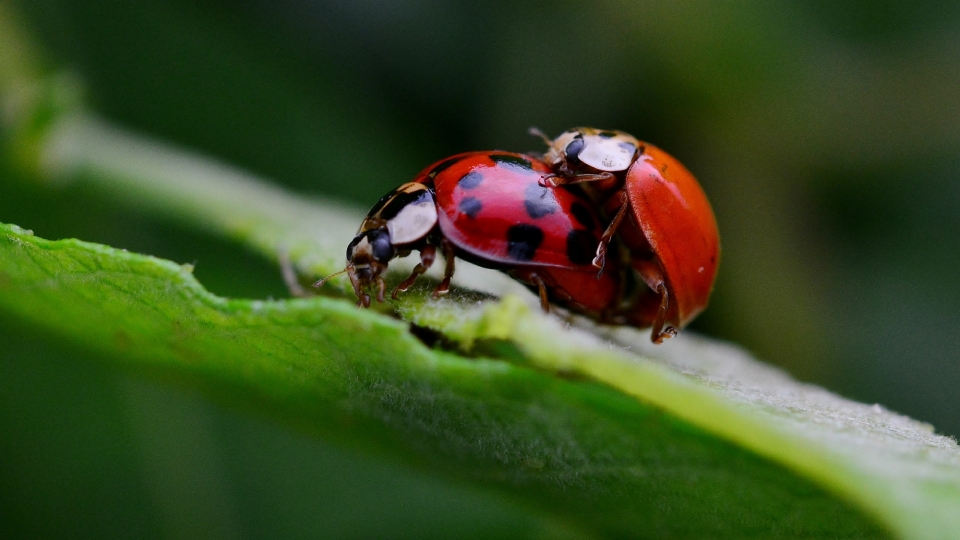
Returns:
(598, 440)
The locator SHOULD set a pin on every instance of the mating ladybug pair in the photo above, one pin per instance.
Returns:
(604, 225)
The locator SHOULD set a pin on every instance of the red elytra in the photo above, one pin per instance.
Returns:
(671, 231)
(491, 209)
(673, 212)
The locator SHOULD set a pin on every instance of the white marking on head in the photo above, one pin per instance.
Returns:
(363, 247)
(608, 154)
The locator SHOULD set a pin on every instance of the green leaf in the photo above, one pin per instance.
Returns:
(684, 459)
(583, 454)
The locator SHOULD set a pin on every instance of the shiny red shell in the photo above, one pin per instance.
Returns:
(492, 207)
(671, 209)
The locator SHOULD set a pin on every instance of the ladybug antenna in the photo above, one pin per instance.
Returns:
(535, 131)
(324, 280)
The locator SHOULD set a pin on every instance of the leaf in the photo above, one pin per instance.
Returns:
(584, 454)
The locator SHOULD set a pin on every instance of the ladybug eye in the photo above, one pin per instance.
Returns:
(573, 150)
(382, 247)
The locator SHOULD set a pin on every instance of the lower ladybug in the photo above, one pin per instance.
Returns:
(670, 230)
(489, 208)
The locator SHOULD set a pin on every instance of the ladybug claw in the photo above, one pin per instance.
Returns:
(667, 333)
(600, 260)
(548, 181)
(442, 289)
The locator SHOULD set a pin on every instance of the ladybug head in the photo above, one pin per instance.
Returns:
(563, 153)
(399, 222)
(371, 247)
(367, 258)
(589, 150)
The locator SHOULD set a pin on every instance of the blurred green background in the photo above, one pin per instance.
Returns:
(826, 133)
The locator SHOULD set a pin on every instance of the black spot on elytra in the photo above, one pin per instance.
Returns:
(583, 215)
(442, 167)
(539, 201)
(470, 180)
(514, 161)
(523, 241)
(607, 134)
(470, 206)
(581, 246)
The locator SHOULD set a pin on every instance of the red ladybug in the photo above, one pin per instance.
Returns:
(489, 208)
(670, 230)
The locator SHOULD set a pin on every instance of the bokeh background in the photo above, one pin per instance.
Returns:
(826, 133)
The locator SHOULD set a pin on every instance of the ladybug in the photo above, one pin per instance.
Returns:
(656, 208)
(492, 209)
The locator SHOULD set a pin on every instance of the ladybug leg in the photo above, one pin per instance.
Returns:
(554, 180)
(659, 332)
(653, 277)
(427, 255)
(363, 299)
(598, 261)
(381, 288)
(448, 255)
(542, 289)
(528, 276)
(550, 181)
(289, 274)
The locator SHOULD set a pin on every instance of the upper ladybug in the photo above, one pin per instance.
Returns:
(671, 232)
